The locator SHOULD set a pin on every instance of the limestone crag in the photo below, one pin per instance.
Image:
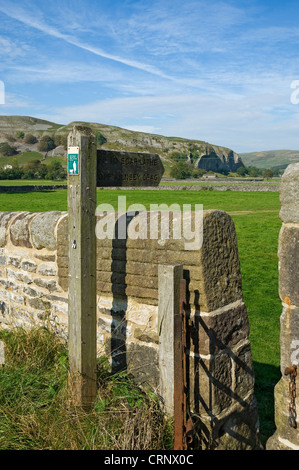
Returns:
(218, 159)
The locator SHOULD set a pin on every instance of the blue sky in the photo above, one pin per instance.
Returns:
(219, 71)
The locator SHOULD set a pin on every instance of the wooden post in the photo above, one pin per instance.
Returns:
(169, 307)
(82, 265)
(2, 354)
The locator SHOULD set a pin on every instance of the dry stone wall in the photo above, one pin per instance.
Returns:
(29, 287)
(34, 288)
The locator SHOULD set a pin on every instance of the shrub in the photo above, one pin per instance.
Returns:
(30, 139)
(46, 144)
(7, 150)
(101, 139)
(61, 139)
(55, 171)
(180, 170)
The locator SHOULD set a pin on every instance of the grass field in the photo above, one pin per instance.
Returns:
(32, 182)
(256, 217)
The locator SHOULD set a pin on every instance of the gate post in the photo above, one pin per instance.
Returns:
(170, 276)
(286, 392)
(82, 265)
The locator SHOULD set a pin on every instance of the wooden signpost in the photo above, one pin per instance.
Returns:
(82, 265)
(88, 169)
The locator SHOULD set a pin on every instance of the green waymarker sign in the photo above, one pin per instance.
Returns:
(73, 161)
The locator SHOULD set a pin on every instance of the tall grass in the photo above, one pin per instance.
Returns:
(36, 412)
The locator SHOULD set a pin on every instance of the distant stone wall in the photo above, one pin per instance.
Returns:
(287, 437)
(31, 188)
(213, 187)
(34, 288)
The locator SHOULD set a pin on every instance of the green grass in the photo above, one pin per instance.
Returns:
(217, 183)
(32, 182)
(36, 411)
(21, 158)
(256, 218)
(25, 157)
(227, 201)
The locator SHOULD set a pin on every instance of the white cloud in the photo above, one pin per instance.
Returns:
(244, 124)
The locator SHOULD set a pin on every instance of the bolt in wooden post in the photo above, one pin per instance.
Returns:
(82, 265)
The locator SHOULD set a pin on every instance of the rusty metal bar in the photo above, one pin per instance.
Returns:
(180, 375)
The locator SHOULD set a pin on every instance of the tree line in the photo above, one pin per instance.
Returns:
(34, 169)
(183, 170)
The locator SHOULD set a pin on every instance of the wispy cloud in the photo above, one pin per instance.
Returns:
(22, 16)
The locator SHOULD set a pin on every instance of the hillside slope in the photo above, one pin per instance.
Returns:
(198, 153)
(270, 158)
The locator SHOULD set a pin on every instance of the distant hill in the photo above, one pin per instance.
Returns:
(270, 158)
(197, 153)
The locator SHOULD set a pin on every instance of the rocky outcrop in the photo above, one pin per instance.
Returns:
(218, 159)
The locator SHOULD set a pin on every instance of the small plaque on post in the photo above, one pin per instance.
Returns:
(73, 161)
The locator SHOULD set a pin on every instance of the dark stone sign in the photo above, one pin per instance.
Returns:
(128, 169)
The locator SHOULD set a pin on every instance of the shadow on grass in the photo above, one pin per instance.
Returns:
(266, 377)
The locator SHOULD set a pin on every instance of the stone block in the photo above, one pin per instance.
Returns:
(39, 304)
(20, 231)
(243, 375)
(239, 430)
(45, 257)
(19, 299)
(222, 284)
(142, 363)
(28, 265)
(5, 218)
(146, 335)
(288, 253)
(281, 398)
(26, 278)
(14, 261)
(51, 285)
(223, 329)
(32, 292)
(47, 270)
(211, 385)
(43, 230)
(289, 194)
(289, 337)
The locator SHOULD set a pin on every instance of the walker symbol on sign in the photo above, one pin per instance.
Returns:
(73, 161)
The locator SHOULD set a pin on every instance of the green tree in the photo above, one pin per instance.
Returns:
(7, 150)
(268, 174)
(101, 139)
(46, 144)
(55, 171)
(34, 169)
(61, 139)
(254, 172)
(178, 156)
(180, 171)
(20, 135)
(242, 171)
